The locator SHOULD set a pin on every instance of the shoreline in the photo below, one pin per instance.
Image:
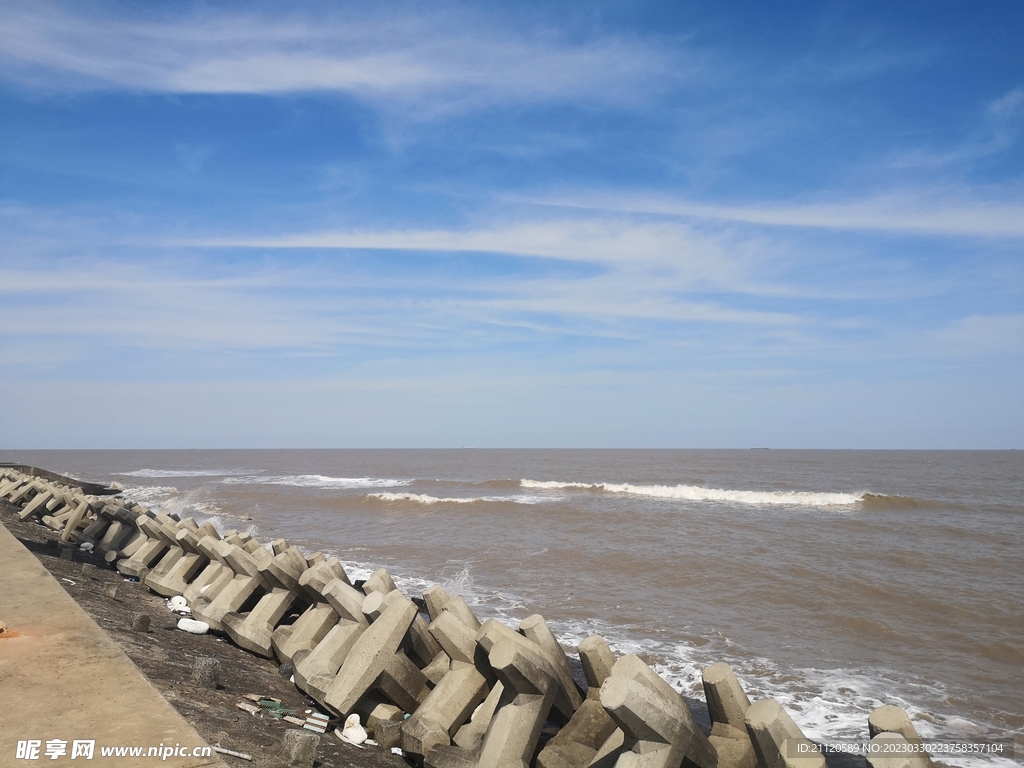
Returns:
(213, 712)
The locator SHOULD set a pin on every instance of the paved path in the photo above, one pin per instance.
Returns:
(62, 678)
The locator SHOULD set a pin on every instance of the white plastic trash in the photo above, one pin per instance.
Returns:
(178, 602)
(353, 732)
(86, 547)
(193, 626)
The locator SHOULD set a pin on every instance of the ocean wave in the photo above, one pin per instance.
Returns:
(700, 493)
(320, 481)
(423, 498)
(180, 473)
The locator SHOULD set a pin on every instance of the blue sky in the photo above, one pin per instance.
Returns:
(522, 225)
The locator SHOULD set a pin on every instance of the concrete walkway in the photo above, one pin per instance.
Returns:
(62, 678)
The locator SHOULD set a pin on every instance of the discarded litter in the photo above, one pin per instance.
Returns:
(87, 546)
(178, 604)
(194, 627)
(294, 720)
(232, 752)
(396, 750)
(69, 581)
(252, 709)
(353, 732)
(317, 723)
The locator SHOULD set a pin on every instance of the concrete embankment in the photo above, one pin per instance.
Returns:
(63, 678)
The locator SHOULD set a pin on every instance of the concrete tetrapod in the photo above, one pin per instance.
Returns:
(254, 630)
(373, 658)
(578, 743)
(317, 620)
(893, 719)
(778, 741)
(597, 660)
(443, 711)
(493, 630)
(167, 533)
(316, 669)
(147, 554)
(243, 587)
(174, 580)
(217, 574)
(529, 688)
(727, 706)
(650, 711)
(888, 749)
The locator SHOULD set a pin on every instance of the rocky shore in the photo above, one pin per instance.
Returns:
(280, 631)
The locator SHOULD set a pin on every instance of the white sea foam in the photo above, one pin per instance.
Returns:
(320, 481)
(699, 493)
(423, 498)
(180, 473)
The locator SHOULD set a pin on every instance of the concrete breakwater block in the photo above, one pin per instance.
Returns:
(777, 740)
(727, 707)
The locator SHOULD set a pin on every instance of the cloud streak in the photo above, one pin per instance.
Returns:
(455, 57)
(895, 213)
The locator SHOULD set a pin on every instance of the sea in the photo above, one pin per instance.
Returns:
(834, 581)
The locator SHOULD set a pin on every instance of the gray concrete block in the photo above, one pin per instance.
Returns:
(778, 741)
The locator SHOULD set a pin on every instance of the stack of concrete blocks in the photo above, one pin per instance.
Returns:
(246, 564)
(727, 707)
(253, 630)
(894, 740)
(316, 669)
(157, 530)
(183, 560)
(318, 618)
(377, 668)
(778, 741)
(659, 729)
(216, 573)
(591, 737)
(530, 684)
(459, 671)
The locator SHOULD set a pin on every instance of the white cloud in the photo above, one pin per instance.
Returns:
(886, 213)
(449, 57)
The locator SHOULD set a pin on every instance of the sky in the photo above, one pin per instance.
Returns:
(608, 225)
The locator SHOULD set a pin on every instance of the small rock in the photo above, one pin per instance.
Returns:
(299, 748)
(139, 622)
(110, 590)
(205, 672)
(388, 733)
(286, 670)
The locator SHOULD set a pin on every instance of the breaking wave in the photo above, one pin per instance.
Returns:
(180, 473)
(423, 498)
(320, 481)
(699, 493)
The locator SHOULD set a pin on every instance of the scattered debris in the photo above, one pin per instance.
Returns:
(69, 581)
(222, 751)
(252, 709)
(139, 622)
(318, 723)
(193, 627)
(353, 732)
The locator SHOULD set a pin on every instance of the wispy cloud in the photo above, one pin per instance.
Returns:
(895, 213)
(452, 57)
